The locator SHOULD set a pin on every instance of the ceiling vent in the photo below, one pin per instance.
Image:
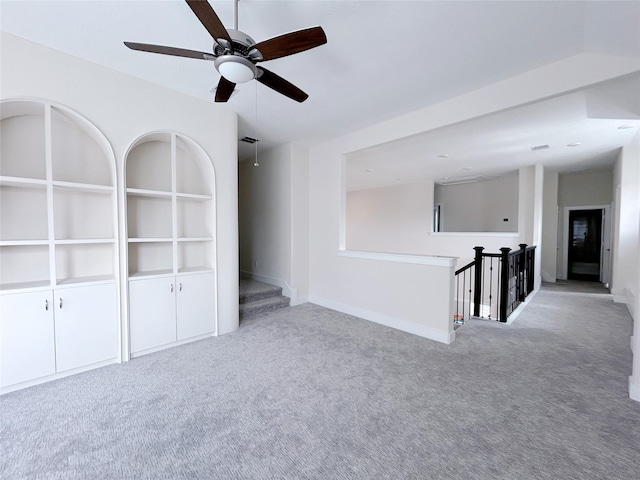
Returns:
(539, 147)
(249, 140)
(460, 180)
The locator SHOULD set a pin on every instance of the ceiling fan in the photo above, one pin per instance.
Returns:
(235, 53)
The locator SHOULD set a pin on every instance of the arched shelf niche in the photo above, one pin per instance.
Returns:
(171, 244)
(58, 243)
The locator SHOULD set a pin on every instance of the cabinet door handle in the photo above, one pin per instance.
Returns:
(60, 304)
(180, 286)
(46, 305)
(172, 288)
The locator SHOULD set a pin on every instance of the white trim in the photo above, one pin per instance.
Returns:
(477, 234)
(521, 307)
(299, 301)
(342, 212)
(634, 390)
(436, 261)
(620, 299)
(420, 330)
(606, 217)
(58, 375)
(147, 351)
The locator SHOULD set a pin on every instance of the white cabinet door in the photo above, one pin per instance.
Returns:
(85, 325)
(26, 337)
(196, 305)
(152, 313)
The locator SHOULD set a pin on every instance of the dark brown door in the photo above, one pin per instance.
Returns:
(585, 238)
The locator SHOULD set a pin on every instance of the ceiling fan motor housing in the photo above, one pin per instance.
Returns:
(235, 53)
(241, 45)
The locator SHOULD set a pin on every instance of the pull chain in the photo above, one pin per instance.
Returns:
(255, 163)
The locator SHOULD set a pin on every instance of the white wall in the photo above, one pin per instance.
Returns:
(273, 219)
(625, 282)
(625, 279)
(399, 219)
(299, 224)
(392, 219)
(265, 214)
(626, 238)
(549, 243)
(479, 207)
(583, 189)
(337, 280)
(124, 108)
(586, 188)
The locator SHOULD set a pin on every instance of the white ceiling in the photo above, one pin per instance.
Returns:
(383, 59)
(581, 129)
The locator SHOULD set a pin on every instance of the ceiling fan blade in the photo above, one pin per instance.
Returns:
(224, 90)
(290, 43)
(280, 85)
(178, 52)
(209, 19)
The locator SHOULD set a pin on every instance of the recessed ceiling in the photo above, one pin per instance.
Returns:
(383, 58)
(563, 134)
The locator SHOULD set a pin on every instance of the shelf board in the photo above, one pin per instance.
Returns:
(150, 240)
(148, 193)
(195, 239)
(85, 241)
(83, 187)
(22, 182)
(23, 243)
(152, 273)
(84, 280)
(194, 196)
(195, 270)
(38, 284)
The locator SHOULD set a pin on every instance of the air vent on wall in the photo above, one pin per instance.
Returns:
(539, 147)
(460, 180)
(249, 140)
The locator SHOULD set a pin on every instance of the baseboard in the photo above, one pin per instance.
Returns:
(420, 330)
(56, 376)
(172, 344)
(634, 390)
(299, 300)
(629, 300)
(521, 307)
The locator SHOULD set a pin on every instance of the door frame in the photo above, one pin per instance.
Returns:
(605, 244)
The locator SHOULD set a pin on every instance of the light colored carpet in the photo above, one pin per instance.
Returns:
(308, 393)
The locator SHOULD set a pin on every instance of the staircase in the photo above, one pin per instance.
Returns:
(257, 298)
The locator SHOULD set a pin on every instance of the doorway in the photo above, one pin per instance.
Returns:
(585, 244)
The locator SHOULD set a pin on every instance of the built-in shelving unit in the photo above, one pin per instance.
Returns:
(58, 223)
(171, 242)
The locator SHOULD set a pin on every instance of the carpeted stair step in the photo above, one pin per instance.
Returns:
(259, 293)
(263, 305)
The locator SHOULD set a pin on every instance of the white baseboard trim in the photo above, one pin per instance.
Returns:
(420, 330)
(299, 300)
(634, 390)
(55, 376)
(521, 307)
(620, 299)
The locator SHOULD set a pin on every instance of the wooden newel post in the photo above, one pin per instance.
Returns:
(504, 284)
(477, 281)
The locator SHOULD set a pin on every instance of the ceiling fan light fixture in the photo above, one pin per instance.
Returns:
(236, 69)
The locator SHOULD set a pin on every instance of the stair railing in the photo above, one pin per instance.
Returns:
(494, 284)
